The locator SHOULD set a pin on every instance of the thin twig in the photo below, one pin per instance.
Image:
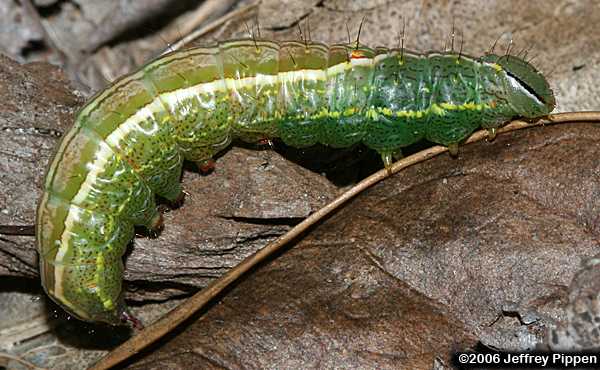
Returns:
(28, 230)
(33, 13)
(25, 330)
(211, 26)
(167, 323)
(190, 21)
(28, 364)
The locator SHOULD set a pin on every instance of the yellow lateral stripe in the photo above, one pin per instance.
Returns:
(373, 112)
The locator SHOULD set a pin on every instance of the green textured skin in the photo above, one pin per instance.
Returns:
(129, 142)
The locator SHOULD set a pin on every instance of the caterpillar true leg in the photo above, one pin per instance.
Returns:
(206, 166)
(157, 224)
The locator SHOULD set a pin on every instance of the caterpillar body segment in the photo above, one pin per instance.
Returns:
(129, 141)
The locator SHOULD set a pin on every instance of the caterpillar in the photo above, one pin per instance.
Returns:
(129, 141)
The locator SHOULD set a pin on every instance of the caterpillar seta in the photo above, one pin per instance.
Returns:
(129, 141)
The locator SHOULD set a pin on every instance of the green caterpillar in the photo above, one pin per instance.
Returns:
(129, 141)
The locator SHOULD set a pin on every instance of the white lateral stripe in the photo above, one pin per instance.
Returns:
(96, 168)
(361, 61)
(173, 97)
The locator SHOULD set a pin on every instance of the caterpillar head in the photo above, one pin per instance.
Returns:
(527, 91)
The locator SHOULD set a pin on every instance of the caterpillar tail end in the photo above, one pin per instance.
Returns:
(128, 318)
